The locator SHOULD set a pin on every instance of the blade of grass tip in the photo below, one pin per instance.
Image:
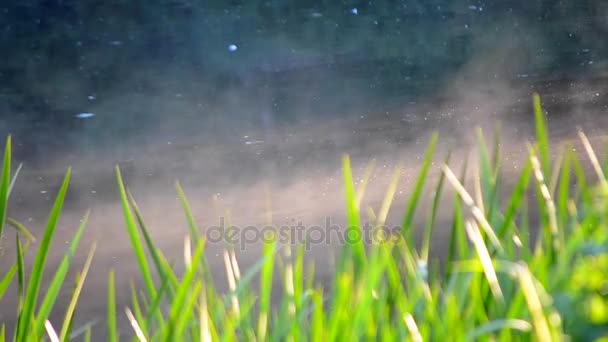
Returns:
(557, 168)
(478, 192)
(136, 328)
(134, 236)
(112, 330)
(51, 331)
(69, 314)
(549, 204)
(5, 183)
(412, 327)
(40, 261)
(485, 259)
(194, 233)
(363, 185)
(21, 229)
(231, 283)
(541, 134)
(3, 333)
(57, 283)
(14, 179)
(428, 231)
(7, 280)
(354, 224)
(597, 167)
(389, 196)
(485, 171)
(266, 286)
(468, 201)
(406, 230)
(182, 292)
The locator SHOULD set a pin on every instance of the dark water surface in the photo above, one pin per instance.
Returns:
(255, 103)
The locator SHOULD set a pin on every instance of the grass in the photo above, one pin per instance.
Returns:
(503, 279)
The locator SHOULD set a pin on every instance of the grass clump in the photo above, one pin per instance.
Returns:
(503, 278)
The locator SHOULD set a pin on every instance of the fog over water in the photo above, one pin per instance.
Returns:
(251, 106)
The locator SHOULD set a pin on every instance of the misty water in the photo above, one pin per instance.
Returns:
(251, 106)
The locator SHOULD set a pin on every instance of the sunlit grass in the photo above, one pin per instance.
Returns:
(502, 279)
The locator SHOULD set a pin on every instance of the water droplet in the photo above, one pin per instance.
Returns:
(232, 47)
(354, 11)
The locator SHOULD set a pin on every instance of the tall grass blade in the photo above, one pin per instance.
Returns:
(14, 179)
(69, 314)
(35, 279)
(182, 294)
(138, 331)
(134, 236)
(21, 229)
(7, 280)
(20, 274)
(406, 227)
(5, 183)
(266, 286)
(112, 330)
(58, 280)
(354, 229)
(428, 231)
(541, 135)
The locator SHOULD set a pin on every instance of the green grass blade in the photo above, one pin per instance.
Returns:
(457, 235)
(69, 315)
(21, 229)
(139, 317)
(20, 274)
(516, 199)
(7, 280)
(183, 292)
(58, 280)
(266, 286)
(541, 135)
(33, 290)
(134, 236)
(406, 227)
(156, 259)
(194, 233)
(112, 330)
(5, 183)
(14, 179)
(354, 229)
(564, 188)
(428, 231)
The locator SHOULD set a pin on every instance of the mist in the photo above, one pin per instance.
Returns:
(251, 108)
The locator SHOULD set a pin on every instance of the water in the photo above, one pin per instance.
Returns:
(242, 101)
